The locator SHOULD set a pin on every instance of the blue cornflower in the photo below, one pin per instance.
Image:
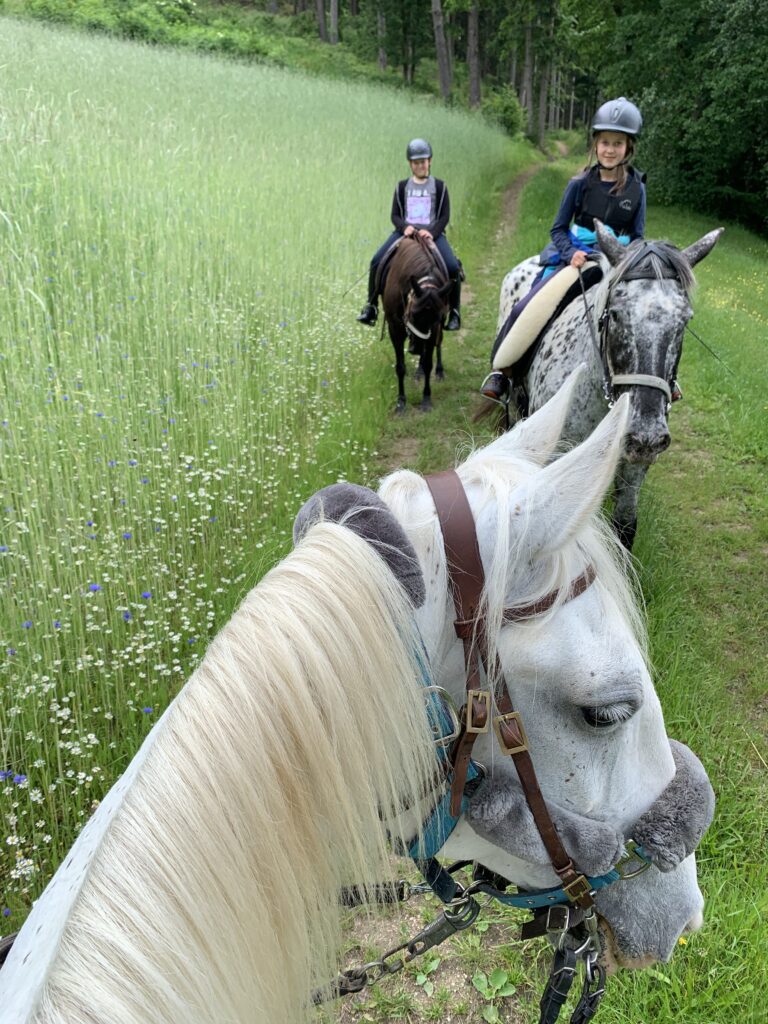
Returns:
(112, 462)
(27, 624)
(56, 624)
(133, 462)
(127, 536)
(89, 522)
(93, 587)
(127, 616)
(146, 594)
(18, 779)
(147, 711)
(5, 775)
(6, 911)
(3, 547)
(10, 651)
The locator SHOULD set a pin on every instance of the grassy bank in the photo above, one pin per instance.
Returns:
(179, 369)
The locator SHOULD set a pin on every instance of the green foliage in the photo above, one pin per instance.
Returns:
(703, 90)
(502, 107)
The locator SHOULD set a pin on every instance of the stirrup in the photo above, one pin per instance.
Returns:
(496, 387)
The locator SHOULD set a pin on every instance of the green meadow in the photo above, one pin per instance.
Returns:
(180, 368)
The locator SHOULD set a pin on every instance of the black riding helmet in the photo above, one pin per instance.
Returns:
(618, 115)
(418, 149)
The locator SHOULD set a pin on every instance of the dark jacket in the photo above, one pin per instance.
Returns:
(442, 208)
(587, 197)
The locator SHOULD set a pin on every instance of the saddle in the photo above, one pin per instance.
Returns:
(430, 248)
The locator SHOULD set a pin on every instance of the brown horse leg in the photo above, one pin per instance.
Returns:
(426, 365)
(398, 343)
(439, 372)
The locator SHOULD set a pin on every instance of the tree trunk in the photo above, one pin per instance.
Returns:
(334, 33)
(473, 53)
(381, 34)
(354, 10)
(544, 80)
(573, 100)
(526, 89)
(320, 7)
(441, 49)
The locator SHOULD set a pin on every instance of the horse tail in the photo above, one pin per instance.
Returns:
(213, 894)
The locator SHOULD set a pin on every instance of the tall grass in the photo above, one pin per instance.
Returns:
(179, 369)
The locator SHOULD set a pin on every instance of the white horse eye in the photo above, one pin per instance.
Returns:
(610, 714)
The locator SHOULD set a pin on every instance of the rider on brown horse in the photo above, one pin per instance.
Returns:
(420, 205)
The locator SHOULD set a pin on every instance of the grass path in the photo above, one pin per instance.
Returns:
(702, 553)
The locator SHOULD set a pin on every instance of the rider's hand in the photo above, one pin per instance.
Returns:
(410, 229)
(579, 258)
(425, 233)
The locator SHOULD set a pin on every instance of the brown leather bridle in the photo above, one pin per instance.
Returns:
(467, 579)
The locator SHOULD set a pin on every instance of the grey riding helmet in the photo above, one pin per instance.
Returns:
(418, 149)
(618, 115)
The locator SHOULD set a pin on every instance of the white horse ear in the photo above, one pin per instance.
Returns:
(696, 252)
(609, 244)
(553, 505)
(537, 437)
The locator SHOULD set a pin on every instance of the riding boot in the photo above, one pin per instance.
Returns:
(370, 311)
(454, 317)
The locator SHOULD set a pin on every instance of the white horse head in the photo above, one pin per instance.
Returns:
(577, 672)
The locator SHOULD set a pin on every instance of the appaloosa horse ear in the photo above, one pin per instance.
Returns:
(609, 244)
(362, 511)
(696, 252)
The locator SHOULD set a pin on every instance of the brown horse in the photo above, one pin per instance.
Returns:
(415, 303)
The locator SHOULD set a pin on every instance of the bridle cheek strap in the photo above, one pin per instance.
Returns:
(467, 580)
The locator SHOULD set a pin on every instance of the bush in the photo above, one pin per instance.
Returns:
(502, 107)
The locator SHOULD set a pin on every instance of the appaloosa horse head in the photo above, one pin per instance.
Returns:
(628, 330)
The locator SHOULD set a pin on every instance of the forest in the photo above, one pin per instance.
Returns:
(697, 71)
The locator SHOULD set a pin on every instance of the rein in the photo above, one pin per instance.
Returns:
(424, 283)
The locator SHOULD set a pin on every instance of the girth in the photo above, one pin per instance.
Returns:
(467, 580)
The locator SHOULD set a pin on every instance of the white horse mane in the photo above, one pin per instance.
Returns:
(213, 894)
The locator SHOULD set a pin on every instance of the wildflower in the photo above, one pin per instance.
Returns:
(19, 779)
(3, 547)
(94, 587)
(27, 624)
(133, 462)
(56, 624)
(5, 775)
(146, 594)
(147, 711)
(127, 616)
(6, 911)
(127, 536)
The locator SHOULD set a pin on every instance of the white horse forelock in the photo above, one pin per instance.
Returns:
(213, 894)
(497, 475)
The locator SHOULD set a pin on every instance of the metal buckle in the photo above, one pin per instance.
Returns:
(577, 889)
(484, 696)
(446, 739)
(633, 854)
(510, 716)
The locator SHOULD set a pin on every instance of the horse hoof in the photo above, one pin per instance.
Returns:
(400, 407)
(440, 374)
(426, 405)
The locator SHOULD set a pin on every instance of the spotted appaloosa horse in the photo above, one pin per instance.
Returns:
(639, 312)
(415, 300)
